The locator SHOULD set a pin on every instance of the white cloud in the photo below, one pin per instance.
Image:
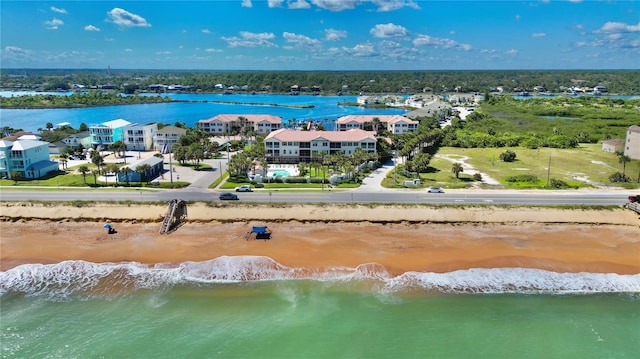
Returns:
(335, 5)
(206, 31)
(576, 1)
(250, 39)
(512, 52)
(390, 5)
(54, 24)
(439, 42)
(124, 18)
(247, 3)
(361, 50)
(163, 53)
(213, 50)
(301, 40)
(58, 10)
(16, 52)
(538, 34)
(611, 27)
(299, 4)
(109, 39)
(91, 28)
(334, 35)
(128, 50)
(388, 30)
(275, 3)
(518, 17)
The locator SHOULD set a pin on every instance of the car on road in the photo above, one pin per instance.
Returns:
(634, 199)
(227, 196)
(435, 190)
(245, 188)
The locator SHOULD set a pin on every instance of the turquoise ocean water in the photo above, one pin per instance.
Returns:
(252, 307)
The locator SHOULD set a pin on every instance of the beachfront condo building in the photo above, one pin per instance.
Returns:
(292, 146)
(395, 124)
(234, 124)
(25, 158)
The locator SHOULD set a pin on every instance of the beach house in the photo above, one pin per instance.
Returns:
(104, 134)
(25, 157)
(166, 137)
(291, 146)
(139, 137)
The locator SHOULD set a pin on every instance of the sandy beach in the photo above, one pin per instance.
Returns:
(400, 238)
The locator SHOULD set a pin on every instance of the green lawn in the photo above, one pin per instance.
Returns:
(587, 162)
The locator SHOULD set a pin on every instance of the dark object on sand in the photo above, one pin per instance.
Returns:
(261, 232)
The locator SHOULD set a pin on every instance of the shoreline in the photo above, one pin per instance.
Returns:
(317, 238)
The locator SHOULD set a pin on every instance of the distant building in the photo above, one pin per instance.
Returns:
(291, 146)
(632, 142)
(393, 123)
(613, 146)
(29, 158)
(78, 139)
(166, 137)
(230, 123)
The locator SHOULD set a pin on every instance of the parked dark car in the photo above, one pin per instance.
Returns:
(228, 197)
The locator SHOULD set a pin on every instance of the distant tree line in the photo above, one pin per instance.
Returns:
(329, 82)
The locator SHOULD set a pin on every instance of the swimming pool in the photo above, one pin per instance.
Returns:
(279, 173)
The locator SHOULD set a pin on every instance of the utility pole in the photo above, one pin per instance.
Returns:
(549, 171)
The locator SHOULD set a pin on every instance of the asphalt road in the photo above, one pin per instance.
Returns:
(419, 196)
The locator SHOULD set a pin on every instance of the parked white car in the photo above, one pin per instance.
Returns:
(435, 190)
(245, 188)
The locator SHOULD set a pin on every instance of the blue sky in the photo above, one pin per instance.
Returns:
(321, 34)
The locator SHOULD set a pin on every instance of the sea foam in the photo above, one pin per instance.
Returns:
(69, 277)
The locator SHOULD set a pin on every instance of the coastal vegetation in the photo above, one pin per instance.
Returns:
(78, 99)
(318, 82)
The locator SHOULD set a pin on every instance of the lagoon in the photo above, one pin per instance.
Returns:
(196, 107)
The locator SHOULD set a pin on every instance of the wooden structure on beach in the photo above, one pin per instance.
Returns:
(260, 232)
(175, 217)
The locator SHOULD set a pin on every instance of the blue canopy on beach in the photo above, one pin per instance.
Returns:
(107, 225)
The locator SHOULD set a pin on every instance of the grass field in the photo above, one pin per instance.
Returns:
(585, 166)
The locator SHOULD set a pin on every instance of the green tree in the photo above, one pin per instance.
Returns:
(143, 171)
(84, 169)
(508, 156)
(624, 159)
(456, 169)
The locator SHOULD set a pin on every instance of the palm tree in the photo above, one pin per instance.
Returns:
(84, 169)
(63, 160)
(457, 168)
(143, 169)
(624, 159)
(126, 171)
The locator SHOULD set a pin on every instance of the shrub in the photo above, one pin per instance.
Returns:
(508, 156)
(294, 179)
(556, 183)
(522, 178)
(477, 177)
(259, 185)
(619, 177)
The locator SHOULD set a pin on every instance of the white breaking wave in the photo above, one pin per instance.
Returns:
(69, 277)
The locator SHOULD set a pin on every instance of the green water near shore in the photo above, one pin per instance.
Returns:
(316, 319)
